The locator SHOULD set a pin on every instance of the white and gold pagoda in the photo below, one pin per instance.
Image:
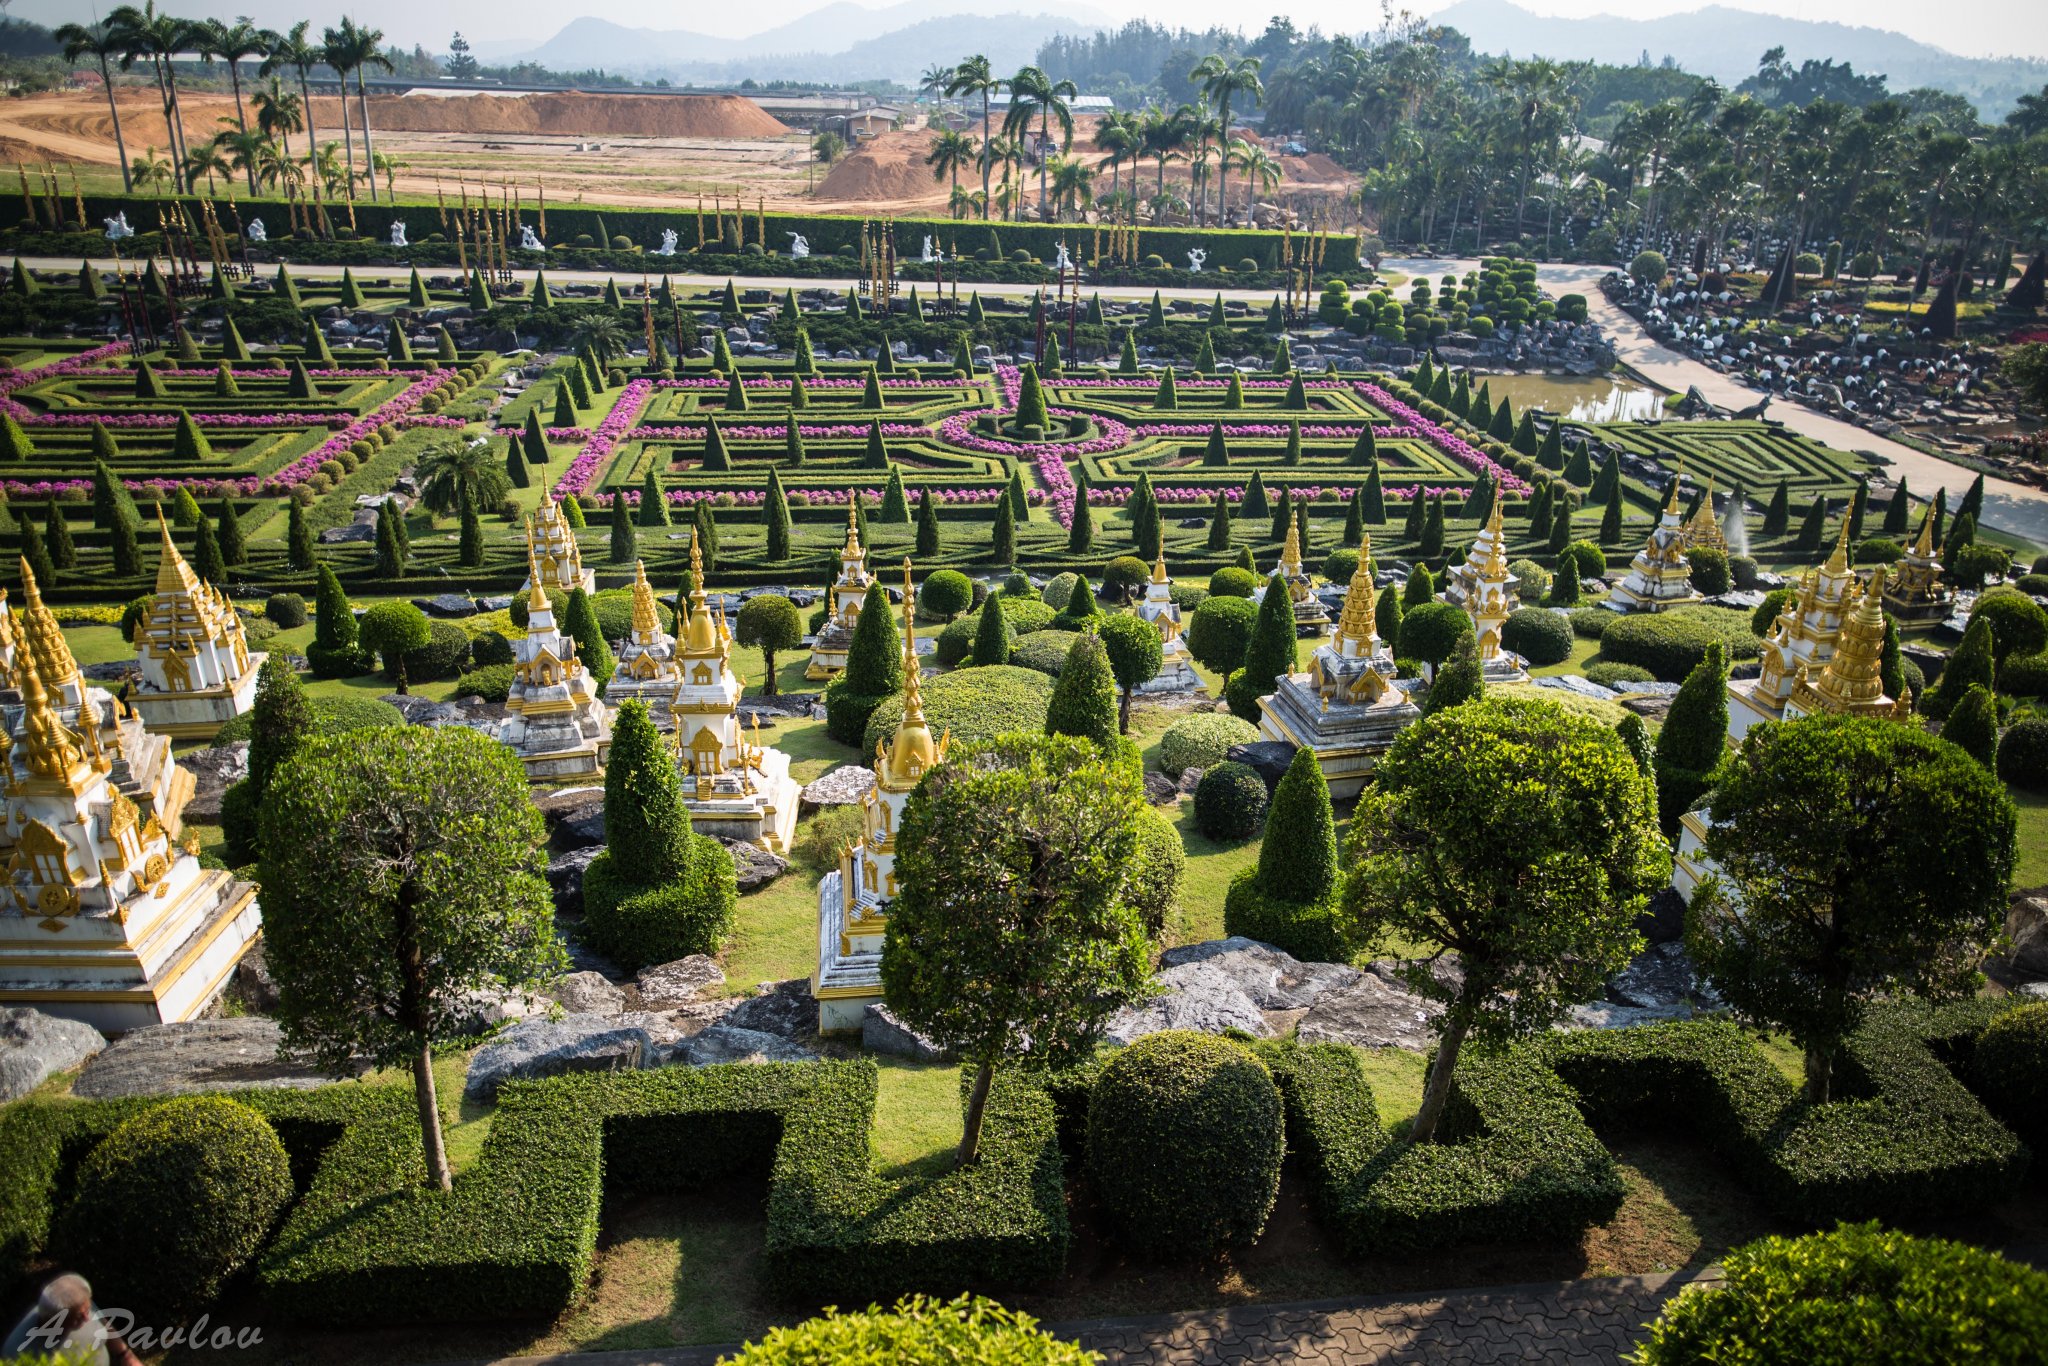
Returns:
(647, 657)
(1659, 577)
(554, 560)
(141, 766)
(1176, 666)
(843, 600)
(1800, 642)
(557, 725)
(853, 900)
(1347, 707)
(1849, 683)
(1310, 616)
(1704, 528)
(733, 788)
(1916, 594)
(1484, 587)
(197, 672)
(102, 918)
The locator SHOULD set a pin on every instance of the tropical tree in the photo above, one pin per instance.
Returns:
(950, 151)
(295, 50)
(279, 113)
(105, 44)
(234, 44)
(449, 468)
(1223, 81)
(1072, 184)
(975, 77)
(151, 169)
(1261, 170)
(158, 39)
(1033, 94)
(357, 49)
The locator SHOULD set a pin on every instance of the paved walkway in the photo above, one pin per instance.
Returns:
(1591, 1322)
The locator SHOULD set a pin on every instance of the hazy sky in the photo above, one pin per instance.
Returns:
(1972, 27)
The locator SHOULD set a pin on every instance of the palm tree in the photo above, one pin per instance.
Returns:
(105, 44)
(157, 38)
(448, 468)
(359, 49)
(1202, 128)
(1164, 137)
(934, 81)
(154, 170)
(963, 202)
(337, 52)
(279, 113)
(296, 50)
(234, 44)
(974, 77)
(1222, 81)
(950, 151)
(1033, 92)
(1261, 171)
(205, 160)
(601, 335)
(1117, 135)
(389, 167)
(1073, 183)
(326, 164)
(243, 149)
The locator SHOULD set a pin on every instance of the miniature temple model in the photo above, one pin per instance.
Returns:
(197, 672)
(647, 659)
(1347, 707)
(1176, 665)
(829, 646)
(1310, 616)
(733, 788)
(103, 919)
(1801, 641)
(1659, 577)
(1485, 588)
(1704, 530)
(141, 766)
(1916, 594)
(853, 901)
(557, 726)
(556, 562)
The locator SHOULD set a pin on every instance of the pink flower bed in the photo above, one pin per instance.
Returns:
(582, 471)
(820, 431)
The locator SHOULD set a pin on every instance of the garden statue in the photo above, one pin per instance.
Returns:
(398, 233)
(1062, 262)
(257, 232)
(668, 243)
(799, 246)
(926, 256)
(1195, 258)
(117, 227)
(528, 241)
(196, 670)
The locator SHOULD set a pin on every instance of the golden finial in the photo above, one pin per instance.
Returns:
(44, 638)
(1159, 564)
(52, 751)
(1923, 548)
(1838, 562)
(1290, 550)
(537, 592)
(852, 549)
(700, 634)
(1358, 622)
(646, 621)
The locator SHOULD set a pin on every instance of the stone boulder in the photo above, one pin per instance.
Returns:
(1268, 758)
(1609, 1015)
(1161, 790)
(198, 1055)
(213, 772)
(784, 1009)
(1662, 978)
(1273, 978)
(589, 993)
(1198, 996)
(846, 785)
(682, 982)
(882, 1032)
(726, 1042)
(1662, 920)
(479, 1012)
(549, 1048)
(1371, 1012)
(2026, 925)
(447, 605)
(755, 866)
(565, 877)
(574, 816)
(253, 983)
(35, 1047)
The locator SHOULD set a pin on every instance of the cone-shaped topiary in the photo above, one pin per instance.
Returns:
(1268, 655)
(1084, 699)
(1971, 665)
(232, 549)
(1458, 680)
(648, 836)
(1255, 503)
(1031, 410)
(928, 537)
(775, 514)
(717, 459)
(625, 544)
(1003, 540)
(1973, 725)
(580, 624)
(993, 638)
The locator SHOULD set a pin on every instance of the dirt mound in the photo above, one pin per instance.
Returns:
(889, 169)
(576, 114)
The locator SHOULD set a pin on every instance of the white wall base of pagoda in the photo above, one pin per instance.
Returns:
(766, 816)
(849, 975)
(197, 715)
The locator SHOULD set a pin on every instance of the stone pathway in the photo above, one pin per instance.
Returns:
(1591, 1322)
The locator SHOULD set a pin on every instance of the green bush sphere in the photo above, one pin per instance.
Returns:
(172, 1204)
(946, 594)
(1025, 615)
(491, 682)
(1230, 802)
(1431, 631)
(331, 716)
(1611, 675)
(1202, 740)
(917, 1332)
(1233, 581)
(490, 647)
(1044, 651)
(1158, 869)
(1122, 576)
(1220, 631)
(1671, 644)
(1313, 931)
(2010, 1070)
(975, 705)
(443, 656)
(1859, 1296)
(1709, 570)
(285, 610)
(1058, 589)
(1591, 623)
(640, 926)
(1185, 1140)
(2023, 755)
(1538, 635)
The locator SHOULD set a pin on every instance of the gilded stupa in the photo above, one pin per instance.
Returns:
(1800, 641)
(734, 788)
(1704, 529)
(1176, 666)
(1659, 577)
(842, 603)
(1851, 682)
(1347, 707)
(853, 900)
(103, 920)
(556, 725)
(1310, 616)
(141, 767)
(197, 672)
(554, 560)
(1916, 595)
(1484, 587)
(647, 657)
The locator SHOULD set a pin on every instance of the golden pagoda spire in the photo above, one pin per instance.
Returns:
(1838, 562)
(1359, 619)
(1924, 547)
(1853, 677)
(1677, 482)
(537, 592)
(852, 548)
(913, 750)
(701, 636)
(1290, 550)
(44, 638)
(1159, 564)
(646, 621)
(173, 575)
(53, 751)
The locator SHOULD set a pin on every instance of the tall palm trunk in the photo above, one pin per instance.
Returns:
(1223, 167)
(348, 140)
(241, 118)
(114, 110)
(177, 111)
(987, 156)
(1044, 156)
(163, 93)
(312, 149)
(363, 108)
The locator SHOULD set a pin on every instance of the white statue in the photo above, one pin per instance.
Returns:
(257, 232)
(1063, 262)
(117, 227)
(668, 243)
(1195, 258)
(926, 258)
(527, 240)
(799, 246)
(398, 233)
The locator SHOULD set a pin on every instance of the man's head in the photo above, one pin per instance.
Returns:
(69, 1295)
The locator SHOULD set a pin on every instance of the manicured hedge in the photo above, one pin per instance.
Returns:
(975, 704)
(1314, 931)
(639, 926)
(1538, 635)
(2009, 1069)
(1671, 644)
(1230, 802)
(1044, 652)
(1202, 740)
(331, 716)
(917, 1332)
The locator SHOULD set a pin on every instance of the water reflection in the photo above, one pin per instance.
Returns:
(1582, 399)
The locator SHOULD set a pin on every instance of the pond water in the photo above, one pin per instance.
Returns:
(1590, 398)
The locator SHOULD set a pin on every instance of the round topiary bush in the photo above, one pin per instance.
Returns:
(490, 647)
(1026, 615)
(1158, 867)
(917, 1332)
(1431, 631)
(285, 610)
(1533, 580)
(491, 682)
(1340, 564)
(1058, 589)
(1231, 581)
(1671, 644)
(1202, 740)
(1590, 623)
(172, 1204)
(1859, 1296)
(2023, 755)
(558, 602)
(956, 641)
(946, 593)
(1537, 634)
(1185, 1140)
(1590, 558)
(976, 705)
(1609, 674)
(1230, 802)
(1044, 651)
(444, 655)
(1709, 567)
(1122, 576)
(331, 716)
(2010, 1069)
(638, 926)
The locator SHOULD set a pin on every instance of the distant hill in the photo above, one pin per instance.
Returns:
(1725, 43)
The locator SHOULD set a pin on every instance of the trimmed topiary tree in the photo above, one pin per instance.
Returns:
(874, 669)
(1290, 898)
(1269, 653)
(1202, 740)
(2009, 1069)
(1084, 699)
(1230, 802)
(992, 636)
(1694, 738)
(945, 594)
(1135, 652)
(771, 624)
(1542, 637)
(2023, 755)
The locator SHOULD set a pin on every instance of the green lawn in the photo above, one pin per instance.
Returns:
(2033, 831)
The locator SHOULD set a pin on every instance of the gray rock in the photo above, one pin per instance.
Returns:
(565, 877)
(784, 1009)
(253, 982)
(574, 816)
(678, 983)
(1161, 790)
(112, 670)
(1198, 996)
(1268, 758)
(589, 993)
(843, 786)
(1190, 779)
(447, 605)
(725, 1043)
(754, 866)
(1273, 978)
(198, 1055)
(1573, 683)
(213, 772)
(353, 533)
(1447, 970)
(2032, 991)
(1662, 978)
(35, 1047)
(1608, 1015)
(549, 1048)
(882, 1032)
(1662, 920)
(1371, 1012)
(2026, 925)
(476, 1012)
